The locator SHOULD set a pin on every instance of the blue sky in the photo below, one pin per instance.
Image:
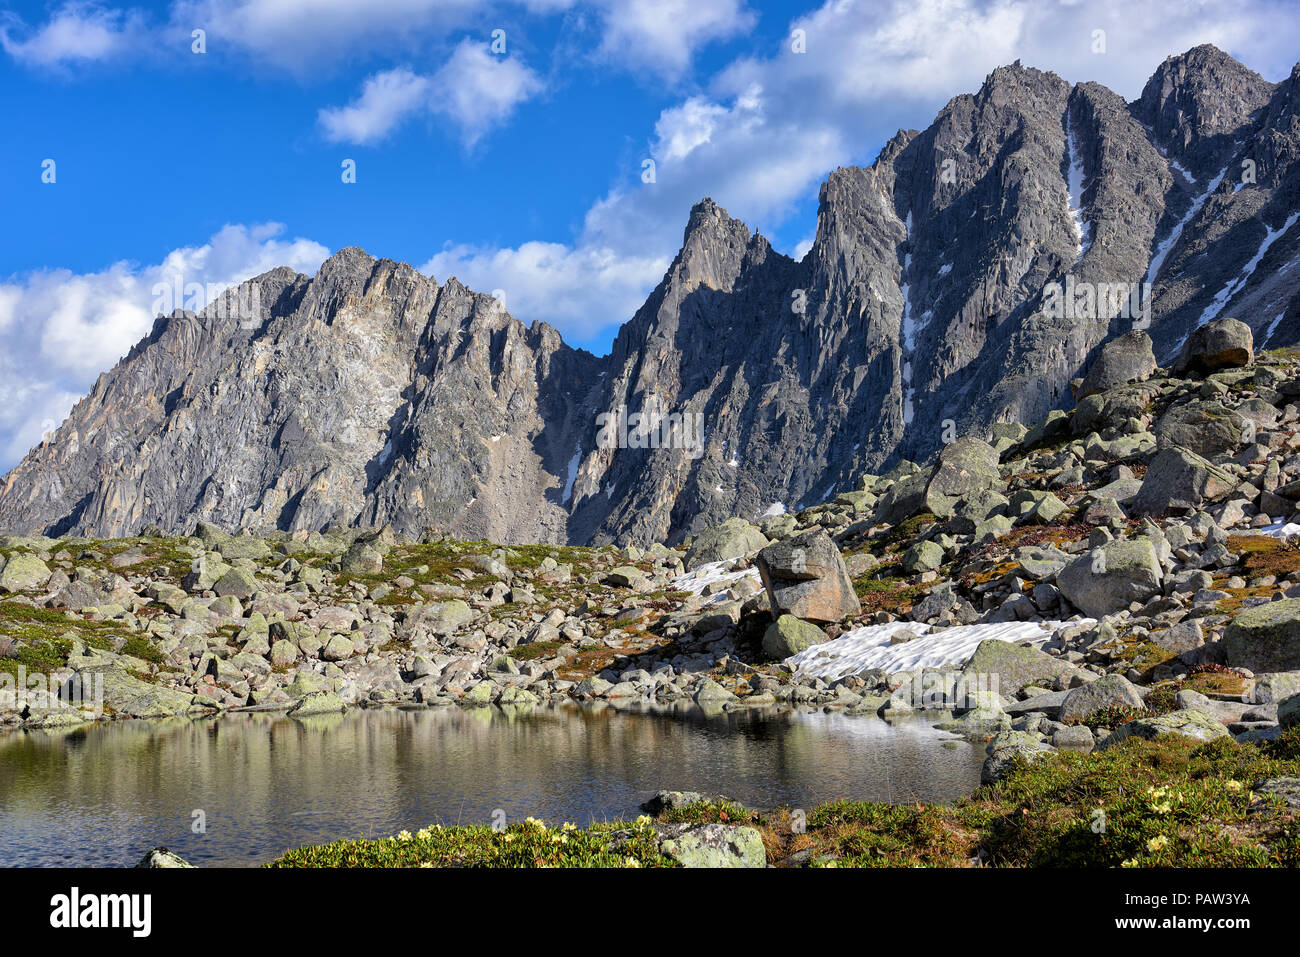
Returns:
(516, 169)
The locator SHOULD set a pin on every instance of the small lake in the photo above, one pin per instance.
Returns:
(103, 795)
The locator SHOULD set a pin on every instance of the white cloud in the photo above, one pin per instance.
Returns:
(579, 291)
(62, 329)
(75, 33)
(476, 89)
(304, 35)
(663, 36)
(386, 100)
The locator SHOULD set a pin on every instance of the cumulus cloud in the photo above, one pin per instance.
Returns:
(580, 290)
(75, 33)
(386, 100)
(476, 89)
(63, 328)
(664, 36)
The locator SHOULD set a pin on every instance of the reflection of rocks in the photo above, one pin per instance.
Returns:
(283, 782)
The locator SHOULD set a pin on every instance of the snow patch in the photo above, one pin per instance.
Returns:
(1286, 530)
(711, 573)
(1162, 251)
(1231, 289)
(573, 474)
(870, 647)
(776, 508)
(1074, 193)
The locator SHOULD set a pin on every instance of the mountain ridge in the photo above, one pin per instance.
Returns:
(370, 394)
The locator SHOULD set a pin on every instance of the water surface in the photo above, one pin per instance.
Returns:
(103, 795)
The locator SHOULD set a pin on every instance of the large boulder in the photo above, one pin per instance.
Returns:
(1108, 691)
(805, 577)
(734, 538)
(788, 636)
(1006, 668)
(1106, 579)
(1222, 344)
(1265, 638)
(1179, 480)
(1185, 723)
(964, 465)
(1127, 358)
(1205, 428)
(24, 572)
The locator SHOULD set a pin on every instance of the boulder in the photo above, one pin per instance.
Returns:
(1007, 668)
(1106, 579)
(317, 702)
(1265, 638)
(236, 583)
(1222, 344)
(734, 538)
(161, 857)
(1205, 428)
(805, 577)
(788, 636)
(1179, 480)
(24, 572)
(1127, 358)
(1108, 691)
(712, 845)
(1186, 723)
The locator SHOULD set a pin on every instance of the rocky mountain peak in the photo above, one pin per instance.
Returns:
(1199, 105)
(968, 278)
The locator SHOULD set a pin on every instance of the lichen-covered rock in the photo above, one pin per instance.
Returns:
(734, 538)
(1186, 723)
(1106, 579)
(1265, 638)
(712, 845)
(1178, 480)
(1126, 358)
(1007, 668)
(317, 702)
(788, 636)
(24, 572)
(1108, 691)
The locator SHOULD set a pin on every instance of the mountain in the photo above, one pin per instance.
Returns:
(964, 279)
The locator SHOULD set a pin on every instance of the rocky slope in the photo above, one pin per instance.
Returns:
(370, 395)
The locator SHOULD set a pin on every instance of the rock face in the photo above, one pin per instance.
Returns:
(959, 283)
(805, 577)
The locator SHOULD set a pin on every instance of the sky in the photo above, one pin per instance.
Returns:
(547, 150)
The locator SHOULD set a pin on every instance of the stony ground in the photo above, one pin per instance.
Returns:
(1141, 544)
